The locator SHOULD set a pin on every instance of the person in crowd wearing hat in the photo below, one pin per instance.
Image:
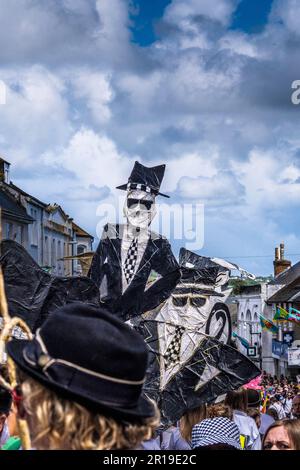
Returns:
(238, 401)
(5, 407)
(82, 377)
(216, 434)
(282, 435)
(129, 256)
(181, 438)
(263, 421)
(296, 407)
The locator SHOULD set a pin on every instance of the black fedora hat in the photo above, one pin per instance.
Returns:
(145, 178)
(88, 356)
(199, 275)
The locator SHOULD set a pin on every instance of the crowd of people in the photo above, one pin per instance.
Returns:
(92, 396)
(280, 396)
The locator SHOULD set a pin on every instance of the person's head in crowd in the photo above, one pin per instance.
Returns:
(253, 397)
(273, 413)
(277, 397)
(219, 410)
(255, 414)
(216, 434)
(283, 435)
(237, 400)
(82, 377)
(296, 407)
(5, 406)
(189, 419)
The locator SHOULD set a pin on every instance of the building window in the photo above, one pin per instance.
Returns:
(81, 249)
(34, 228)
(9, 231)
(59, 257)
(53, 254)
(20, 234)
(248, 315)
(47, 257)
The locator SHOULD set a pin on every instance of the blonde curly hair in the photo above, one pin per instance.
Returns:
(57, 423)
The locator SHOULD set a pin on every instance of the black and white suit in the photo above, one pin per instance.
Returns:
(106, 272)
(211, 371)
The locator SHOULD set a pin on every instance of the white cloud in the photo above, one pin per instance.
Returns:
(221, 10)
(91, 157)
(288, 11)
(95, 89)
(219, 190)
(239, 43)
(266, 176)
(36, 112)
(191, 165)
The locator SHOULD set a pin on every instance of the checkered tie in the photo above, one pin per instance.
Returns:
(172, 354)
(130, 262)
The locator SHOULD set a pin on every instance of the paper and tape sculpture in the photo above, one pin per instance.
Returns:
(33, 294)
(128, 254)
(190, 360)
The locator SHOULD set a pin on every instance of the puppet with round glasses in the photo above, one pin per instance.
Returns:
(191, 361)
(128, 255)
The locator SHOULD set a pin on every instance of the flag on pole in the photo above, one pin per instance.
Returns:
(268, 325)
(281, 314)
(294, 311)
(265, 401)
(243, 341)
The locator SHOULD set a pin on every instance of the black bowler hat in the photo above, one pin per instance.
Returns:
(146, 179)
(88, 356)
(199, 275)
(253, 398)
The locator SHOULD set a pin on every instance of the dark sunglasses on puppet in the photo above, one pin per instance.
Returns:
(132, 203)
(194, 300)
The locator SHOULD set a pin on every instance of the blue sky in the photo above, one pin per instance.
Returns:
(201, 85)
(250, 16)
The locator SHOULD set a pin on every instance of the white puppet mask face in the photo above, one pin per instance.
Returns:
(139, 209)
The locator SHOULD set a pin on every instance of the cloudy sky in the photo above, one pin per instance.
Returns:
(201, 85)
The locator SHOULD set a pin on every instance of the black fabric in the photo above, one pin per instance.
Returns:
(204, 270)
(5, 400)
(85, 341)
(32, 293)
(147, 176)
(179, 395)
(106, 268)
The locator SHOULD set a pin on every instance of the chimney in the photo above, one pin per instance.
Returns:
(4, 171)
(280, 264)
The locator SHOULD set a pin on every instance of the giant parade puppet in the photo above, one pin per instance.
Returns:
(182, 315)
(189, 336)
(129, 254)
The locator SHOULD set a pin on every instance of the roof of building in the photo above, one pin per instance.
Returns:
(287, 276)
(34, 199)
(56, 207)
(12, 209)
(80, 232)
(288, 293)
(5, 161)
